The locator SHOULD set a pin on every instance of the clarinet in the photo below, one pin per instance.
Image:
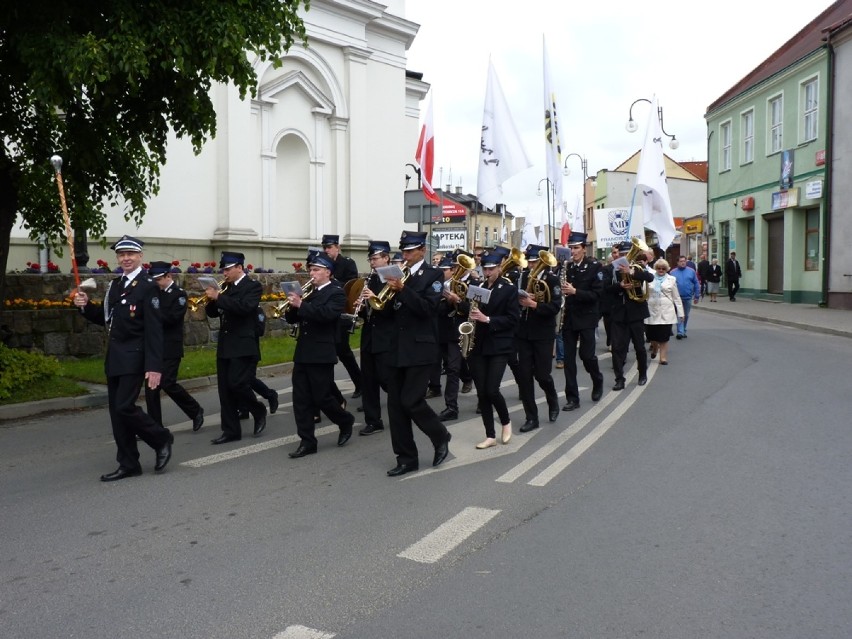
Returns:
(563, 280)
(359, 304)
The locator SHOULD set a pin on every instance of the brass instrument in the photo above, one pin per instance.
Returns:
(283, 307)
(538, 288)
(384, 296)
(643, 292)
(467, 332)
(194, 303)
(516, 258)
(463, 265)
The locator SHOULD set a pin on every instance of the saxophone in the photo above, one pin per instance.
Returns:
(467, 332)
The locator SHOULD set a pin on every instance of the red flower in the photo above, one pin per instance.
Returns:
(249, 267)
(145, 265)
(175, 262)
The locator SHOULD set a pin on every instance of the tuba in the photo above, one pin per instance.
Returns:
(516, 259)
(638, 291)
(538, 288)
(194, 303)
(384, 296)
(463, 265)
(283, 307)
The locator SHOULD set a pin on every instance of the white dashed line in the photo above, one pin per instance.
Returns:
(448, 535)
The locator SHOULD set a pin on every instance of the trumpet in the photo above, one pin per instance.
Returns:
(280, 309)
(386, 294)
(194, 303)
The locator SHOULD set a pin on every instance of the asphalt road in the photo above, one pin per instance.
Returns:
(712, 502)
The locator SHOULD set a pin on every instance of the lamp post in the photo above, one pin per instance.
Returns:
(631, 125)
(549, 212)
(584, 165)
(408, 177)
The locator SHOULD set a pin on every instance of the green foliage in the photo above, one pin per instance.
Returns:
(20, 370)
(103, 83)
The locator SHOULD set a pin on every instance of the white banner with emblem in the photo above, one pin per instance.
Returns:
(611, 226)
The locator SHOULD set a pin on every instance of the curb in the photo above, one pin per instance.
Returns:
(779, 322)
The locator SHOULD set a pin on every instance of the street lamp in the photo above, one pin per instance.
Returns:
(549, 212)
(583, 164)
(631, 125)
(408, 177)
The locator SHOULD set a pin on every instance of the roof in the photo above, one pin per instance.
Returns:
(806, 41)
(694, 171)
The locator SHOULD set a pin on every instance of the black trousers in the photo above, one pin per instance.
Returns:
(234, 377)
(177, 393)
(535, 361)
(128, 421)
(311, 394)
(586, 337)
(345, 354)
(733, 287)
(451, 354)
(623, 333)
(487, 374)
(407, 403)
(371, 385)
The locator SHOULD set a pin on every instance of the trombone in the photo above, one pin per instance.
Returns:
(194, 303)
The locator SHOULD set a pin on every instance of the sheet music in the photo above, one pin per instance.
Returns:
(478, 293)
(393, 271)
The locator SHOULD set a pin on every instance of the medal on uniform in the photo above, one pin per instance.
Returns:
(133, 310)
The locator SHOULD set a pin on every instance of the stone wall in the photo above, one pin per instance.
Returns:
(63, 332)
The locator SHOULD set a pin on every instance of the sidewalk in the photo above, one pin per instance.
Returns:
(806, 317)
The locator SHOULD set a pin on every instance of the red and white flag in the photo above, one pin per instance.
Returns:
(425, 156)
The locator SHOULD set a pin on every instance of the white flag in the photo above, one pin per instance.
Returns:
(528, 237)
(651, 184)
(501, 153)
(551, 138)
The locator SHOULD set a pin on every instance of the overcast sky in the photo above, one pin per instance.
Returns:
(603, 55)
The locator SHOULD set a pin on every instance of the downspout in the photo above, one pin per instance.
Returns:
(826, 192)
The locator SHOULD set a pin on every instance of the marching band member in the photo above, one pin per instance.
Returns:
(493, 344)
(534, 341)
(317, 315)
(237, 352)
(414, 349)
(582, 290)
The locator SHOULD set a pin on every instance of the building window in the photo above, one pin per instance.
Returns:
(810, 109)
(747, 135)
(725, 146)
(750, 244)
(496, 236)
(812, 240)
(476, 233)
(776, 124)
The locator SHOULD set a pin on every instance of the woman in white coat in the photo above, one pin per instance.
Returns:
(666, 309)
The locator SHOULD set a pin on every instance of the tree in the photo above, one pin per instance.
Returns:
(102, 83)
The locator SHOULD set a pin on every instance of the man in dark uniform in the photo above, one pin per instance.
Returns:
(344, 270)
(452, 311)
(414, 349)
(375, 342)
(582, 290)
(535, 337)
(172, 310)
(628, 315)
(317, 315)
(237, 352)
(131, 312)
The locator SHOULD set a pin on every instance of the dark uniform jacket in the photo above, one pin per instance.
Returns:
(344, 269)
(132, 314)
(540, 323)
(317, 318)
(235, 309)
(497, 337)
(582, 310)
(414, 338)
(377, 330)
(624, 309)
(172, 310)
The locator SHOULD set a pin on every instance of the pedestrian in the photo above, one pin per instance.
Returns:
(235, 303)
(317, 314)
(173, 301)
(733, 273)
(344, 271)
(493, 343)
(131, 313)
(703, 271)
(714, 276)
(665, 308)
(689, 290)
(582, 289)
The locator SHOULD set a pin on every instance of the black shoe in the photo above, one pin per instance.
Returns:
(302, 451)
(198, 420)
(442, 450)
(643, 379)
(164, 453)
(243, 413)
(466, 387)
(448, 414)
(401, 469)
(356, 394)
(597, 390)
(619, 385)
(432, 393)
(553, 414)
(273, 402)
(478, 410)
(317, 419)
(360, 409)
(121, 473)
(371, 429)
(530, 424)
(571, 404)
(679, 336)
(343, 437)
(259, 424)
(224, 439)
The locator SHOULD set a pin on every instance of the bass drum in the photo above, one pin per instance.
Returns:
(353, 289)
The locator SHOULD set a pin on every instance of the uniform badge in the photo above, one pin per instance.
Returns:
(155, 302)
(124, 300)
(182, 300)
(133, 283)
(600, 275)
(437, 286)
(420, 272)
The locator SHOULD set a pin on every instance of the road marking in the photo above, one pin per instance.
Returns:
(253, 448)
(584, 444)
(448, 535)
(303, 632)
